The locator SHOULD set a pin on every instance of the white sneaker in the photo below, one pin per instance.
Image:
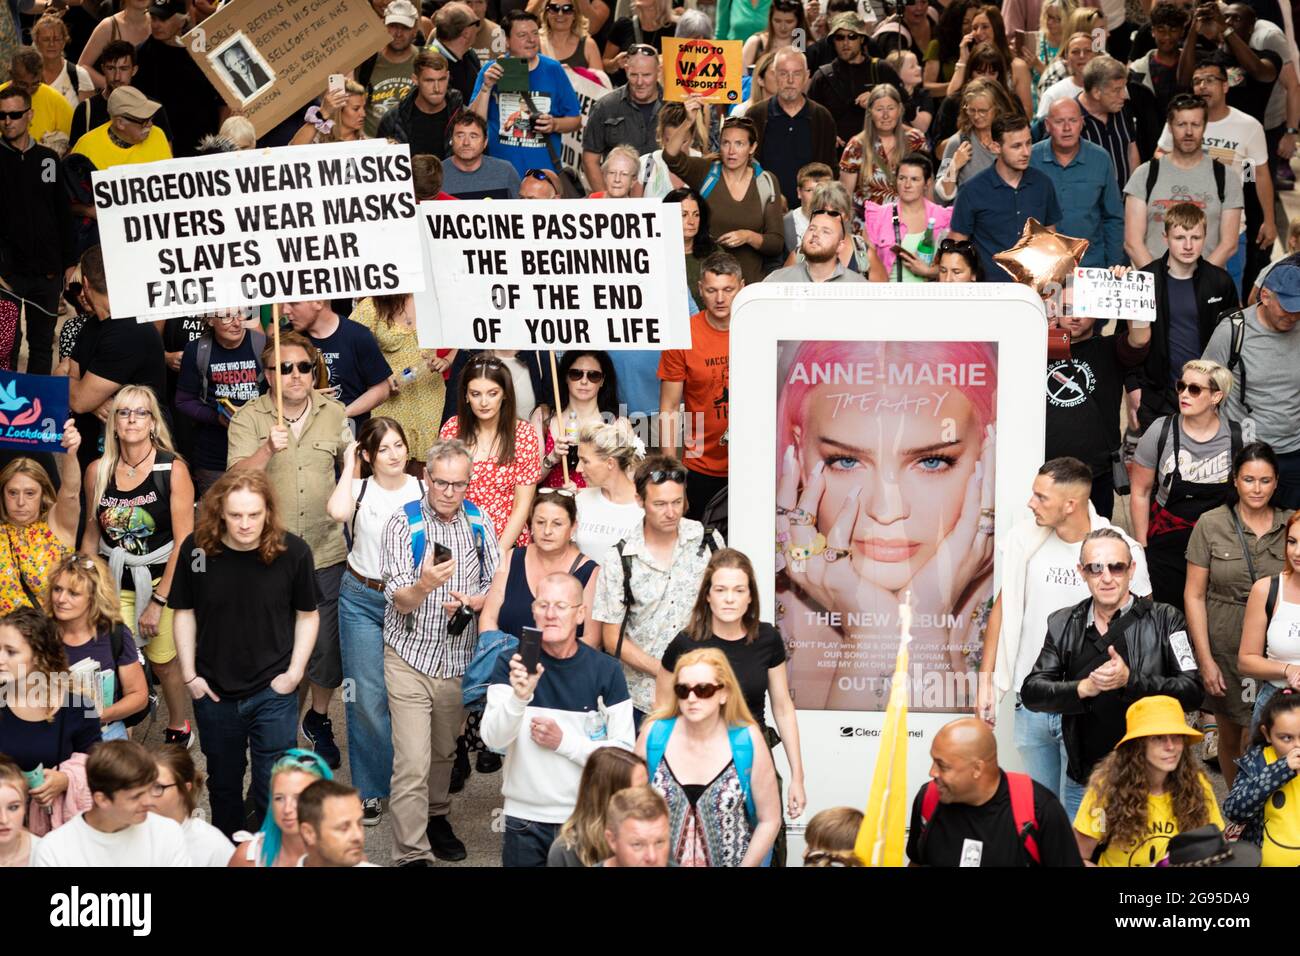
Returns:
(371, 811)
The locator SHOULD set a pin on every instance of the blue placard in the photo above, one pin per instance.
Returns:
(33, 409)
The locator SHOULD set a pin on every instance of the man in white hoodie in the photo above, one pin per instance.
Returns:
(550, 721)
(1039, 575)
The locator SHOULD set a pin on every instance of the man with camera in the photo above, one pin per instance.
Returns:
(550, 706)
(437, 564)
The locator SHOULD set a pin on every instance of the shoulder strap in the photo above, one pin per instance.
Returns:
(203, 360)
(75, 80)
(708, 540)
(1153, 173)
(1241, 539)
(710, 180)
(742, 754)
(626, 561)
(1220, 177)
(162, 474)
(766, 192)
(656, 742)
(115, 643)
(1021, 786)
(1160, 450)
(1236, 340)
(1234, 431)
(356, 506)
(1270, 603)
(415, 520)
(929, 804)
(636, 28)
(365, 71)
(476, 528)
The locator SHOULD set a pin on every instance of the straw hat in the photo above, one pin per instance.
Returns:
(1156, 717)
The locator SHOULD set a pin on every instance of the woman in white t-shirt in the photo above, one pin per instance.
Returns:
(1270, 643)
(607, 508)
(17, 845)
(175, 795)
(365, 504)
(72, 82)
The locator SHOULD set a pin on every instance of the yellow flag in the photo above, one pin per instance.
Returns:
(881, 837)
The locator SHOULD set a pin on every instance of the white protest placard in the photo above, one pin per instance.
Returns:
(588, 92)
(1099, 295)
(231, 230)
(548, 274)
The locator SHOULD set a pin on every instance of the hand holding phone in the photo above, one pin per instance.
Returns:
(530, 648)
(337, 83)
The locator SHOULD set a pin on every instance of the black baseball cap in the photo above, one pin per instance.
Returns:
(166, 9)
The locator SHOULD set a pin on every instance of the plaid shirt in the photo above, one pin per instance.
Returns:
(420, 638)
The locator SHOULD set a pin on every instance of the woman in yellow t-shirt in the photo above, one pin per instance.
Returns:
(1148, 789)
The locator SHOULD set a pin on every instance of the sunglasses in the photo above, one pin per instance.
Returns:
(565, 492)
(594, 376)
(1094, 569)
(1192, 389)
(286, 368)
(642, 49)
(951, 245)
(14, 114)
(538, 174)
(137, 121)
(702, 691)
(827, 211)
(660, 475)
(559, 8)
(845, 37)
(486, 363)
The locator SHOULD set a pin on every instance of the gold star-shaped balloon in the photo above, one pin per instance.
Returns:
(1041, 258)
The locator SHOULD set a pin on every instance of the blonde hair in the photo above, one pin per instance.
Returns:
(1218, 375)
(161, 436)
(1293, 235)
(581, 29)
(33, 470)
(93, 576)
(615, 440)
(643, 803)
(1065, 8)
(735, 712)
(239, 130)
(871, 158)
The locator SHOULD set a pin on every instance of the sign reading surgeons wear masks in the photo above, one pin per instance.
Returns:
(189, 236)
(553, 274)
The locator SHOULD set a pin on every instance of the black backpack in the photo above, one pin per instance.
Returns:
(1220, 177)
(116, 640)
(710, 540)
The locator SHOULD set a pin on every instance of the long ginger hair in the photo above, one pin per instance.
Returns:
(1122, 787)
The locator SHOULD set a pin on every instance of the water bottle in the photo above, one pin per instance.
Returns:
(409, 374)
(593, 722)
(571, 439)
(925, 248)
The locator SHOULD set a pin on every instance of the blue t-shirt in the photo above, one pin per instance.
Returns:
(354, 361)
(638, 379)
(510, 136)
(1184, 325)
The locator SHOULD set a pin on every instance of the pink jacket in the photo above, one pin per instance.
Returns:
(76, 799)
(878, 224)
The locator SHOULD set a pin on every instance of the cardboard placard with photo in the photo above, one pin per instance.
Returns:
(271, 58)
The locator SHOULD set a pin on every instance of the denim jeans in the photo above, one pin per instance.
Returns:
(1236, 264)
(265, 725)
(1266, 689)
(365, 701)
(1038, 739)
(1072, 798)
(1288, 481)
(527, 842)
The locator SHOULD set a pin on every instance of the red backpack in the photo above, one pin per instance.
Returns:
(1021, 786)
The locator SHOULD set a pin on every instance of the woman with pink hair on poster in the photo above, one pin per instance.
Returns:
(885, 489)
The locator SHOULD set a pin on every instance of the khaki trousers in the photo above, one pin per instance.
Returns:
(427, 715)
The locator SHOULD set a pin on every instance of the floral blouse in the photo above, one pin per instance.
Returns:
(879, 188)
(31, 551)
(492, 486)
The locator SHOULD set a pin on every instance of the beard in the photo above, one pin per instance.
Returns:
(818, 257)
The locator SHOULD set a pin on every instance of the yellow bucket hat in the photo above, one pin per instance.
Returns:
(1156, 717)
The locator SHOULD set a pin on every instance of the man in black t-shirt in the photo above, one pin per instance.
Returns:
(109, 354)
(245, 603)
(170, 76)
(358, 371)
(843, 84)
(974, 824)
(1084, 393)
(423, 117)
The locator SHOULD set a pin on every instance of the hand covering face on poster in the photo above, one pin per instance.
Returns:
(885, 489)
(1042, 259)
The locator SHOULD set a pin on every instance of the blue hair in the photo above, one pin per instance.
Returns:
(303, 761)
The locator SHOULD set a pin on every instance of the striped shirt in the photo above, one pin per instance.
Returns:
(420, 638)
(1113, 136)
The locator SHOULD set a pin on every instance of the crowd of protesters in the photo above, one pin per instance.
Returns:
(513, 575)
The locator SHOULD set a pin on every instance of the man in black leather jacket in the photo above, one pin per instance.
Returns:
(1105, 653)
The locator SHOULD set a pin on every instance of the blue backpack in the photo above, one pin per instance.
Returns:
(419, 541)
(742, 754)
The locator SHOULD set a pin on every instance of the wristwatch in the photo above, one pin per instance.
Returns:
(1292, 131)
